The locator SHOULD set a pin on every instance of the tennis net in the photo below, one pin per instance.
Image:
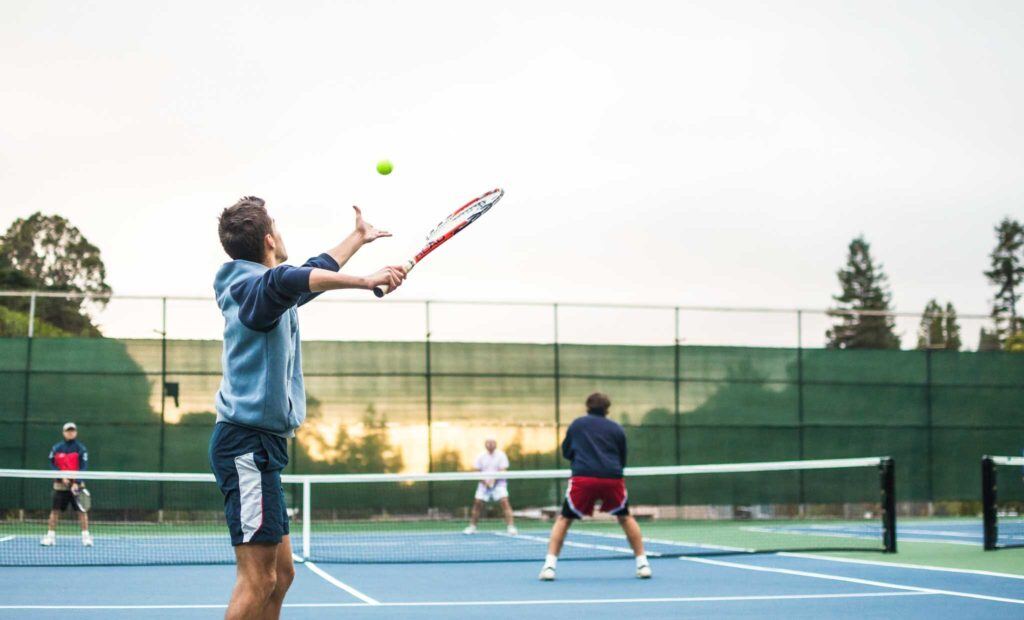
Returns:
(1002, 497)
(148, 518)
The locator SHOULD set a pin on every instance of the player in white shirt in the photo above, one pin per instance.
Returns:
(491, 490)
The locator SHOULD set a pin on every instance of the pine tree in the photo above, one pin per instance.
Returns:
(864, 287)
(1007, 274)
(953, 341)
(939, 329)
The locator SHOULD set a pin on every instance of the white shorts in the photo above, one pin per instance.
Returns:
(494, 494)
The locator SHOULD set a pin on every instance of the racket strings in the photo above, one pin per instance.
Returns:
(461, 217)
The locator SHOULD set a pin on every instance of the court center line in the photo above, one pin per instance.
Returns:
(943, 569)
(511, 603)
(866, 582)
(337, 583)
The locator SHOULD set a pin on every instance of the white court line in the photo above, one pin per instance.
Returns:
(866, 582)
(569, 543)
(336, 583)
(943, 569)
(492, 603)
(6, 538)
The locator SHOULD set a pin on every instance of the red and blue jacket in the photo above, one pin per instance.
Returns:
(69, 456)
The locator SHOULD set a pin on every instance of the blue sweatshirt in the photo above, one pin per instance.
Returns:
(262, 386)
(596, 446)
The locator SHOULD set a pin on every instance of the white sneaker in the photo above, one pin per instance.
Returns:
(643, 572)
(86, 540)
(512, 531)
(471, 529)
(48, 541)
(547, 573)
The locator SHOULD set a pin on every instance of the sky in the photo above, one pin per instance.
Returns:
(699, 153)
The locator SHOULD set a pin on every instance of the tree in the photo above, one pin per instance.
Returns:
(939, 330)
(1006, 274)
(864, 287)
(988, 340)
(47, 252)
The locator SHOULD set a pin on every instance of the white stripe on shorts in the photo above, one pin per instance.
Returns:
(250, 494)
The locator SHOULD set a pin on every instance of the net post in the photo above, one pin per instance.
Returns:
(887, 475)
(988, 502)
(306, 517)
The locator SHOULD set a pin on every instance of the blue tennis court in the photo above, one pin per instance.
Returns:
(793, 585)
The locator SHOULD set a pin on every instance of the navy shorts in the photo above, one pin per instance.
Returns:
(247, 464)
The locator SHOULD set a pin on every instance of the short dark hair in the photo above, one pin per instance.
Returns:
(242, 227)
(598, 403)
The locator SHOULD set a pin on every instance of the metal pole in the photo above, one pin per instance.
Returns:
(307, 517)
(163, 401)
(800, 403)
(558, 400)
(988, 503)
(430, 413)
(26, 386)
(930, 431)
(678, 414)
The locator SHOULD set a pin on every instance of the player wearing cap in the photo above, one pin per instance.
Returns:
(262, 399)
(491, 460)
(68, 455)
(596, 446)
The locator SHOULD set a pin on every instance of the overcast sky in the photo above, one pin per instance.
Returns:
(717, 153)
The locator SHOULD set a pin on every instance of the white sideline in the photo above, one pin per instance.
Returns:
(492, 603)
(866, 582)
(943, 569)
(336, 583)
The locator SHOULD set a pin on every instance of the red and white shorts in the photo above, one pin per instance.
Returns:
(585, 491)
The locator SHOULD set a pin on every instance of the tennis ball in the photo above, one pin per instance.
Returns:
(384, 167)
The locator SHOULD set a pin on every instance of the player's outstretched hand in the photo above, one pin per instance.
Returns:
(391, 276)
(368, 231)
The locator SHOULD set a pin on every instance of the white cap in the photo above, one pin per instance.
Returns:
(70, 426)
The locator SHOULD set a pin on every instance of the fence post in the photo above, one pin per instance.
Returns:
(25, 396)
(800, 403)
(307, 517)
(677, 414)
(558, 399)
(430, 413)
(930, 431)
(163, 401)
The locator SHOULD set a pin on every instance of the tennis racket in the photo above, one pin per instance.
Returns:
(449, 227)
(82, 498)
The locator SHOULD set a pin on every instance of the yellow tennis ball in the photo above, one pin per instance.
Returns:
(384, 167)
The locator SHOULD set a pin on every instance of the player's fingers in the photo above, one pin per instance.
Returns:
(359, 212)
(383, 233)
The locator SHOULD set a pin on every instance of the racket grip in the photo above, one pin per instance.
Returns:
(383, 289)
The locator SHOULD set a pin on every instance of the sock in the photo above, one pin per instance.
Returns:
(51, 533)
(85, 533)
(551, 560)
(641, 560)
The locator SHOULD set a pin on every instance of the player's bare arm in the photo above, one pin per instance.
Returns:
(323, 280)
(363, 233)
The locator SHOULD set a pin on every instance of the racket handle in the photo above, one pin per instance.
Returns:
(383, 289)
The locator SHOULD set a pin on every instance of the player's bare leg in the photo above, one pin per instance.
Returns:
(636, 542)
(255, 581)
(50, 538)
(474, 516)
(83, 520)
(506, 508)
(285, 566)
(558, 532)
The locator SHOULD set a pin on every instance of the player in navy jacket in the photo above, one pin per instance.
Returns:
(262, 400)
(596, 447)
(67, 456)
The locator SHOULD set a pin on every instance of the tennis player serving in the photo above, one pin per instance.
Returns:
(596, 446)
(262, 399)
